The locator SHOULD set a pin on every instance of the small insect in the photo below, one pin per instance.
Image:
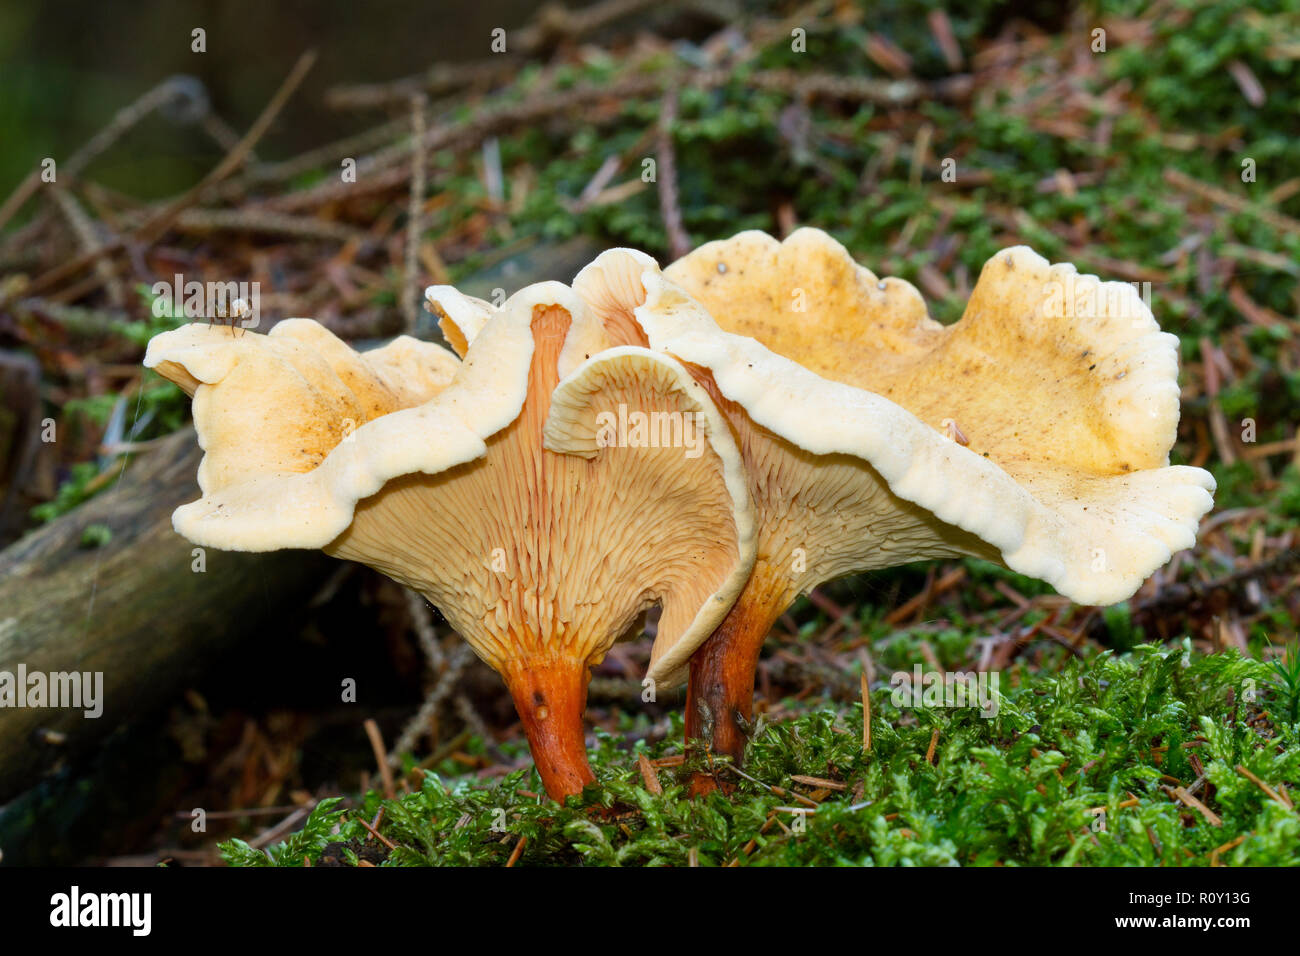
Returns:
(951, 429)
(706, 725)
(234, 316)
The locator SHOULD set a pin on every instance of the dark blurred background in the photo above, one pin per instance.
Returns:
(66, 65)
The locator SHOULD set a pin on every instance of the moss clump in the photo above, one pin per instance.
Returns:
(1077, 767)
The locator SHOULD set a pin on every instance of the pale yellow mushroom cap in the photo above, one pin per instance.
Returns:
(1102, 376)
(493, 485)
(277, 416)
(850, 405)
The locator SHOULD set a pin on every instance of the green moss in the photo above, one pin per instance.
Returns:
(96, 535)
(1027, 787)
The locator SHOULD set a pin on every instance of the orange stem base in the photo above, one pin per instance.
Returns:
(721, 683)
(551, 697)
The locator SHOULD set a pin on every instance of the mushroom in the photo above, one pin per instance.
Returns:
(845, 398)
(492, 486)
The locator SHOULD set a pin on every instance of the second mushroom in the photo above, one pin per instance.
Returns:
(1034, 433)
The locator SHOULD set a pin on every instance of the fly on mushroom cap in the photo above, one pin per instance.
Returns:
(504, 498)
(1035, 432)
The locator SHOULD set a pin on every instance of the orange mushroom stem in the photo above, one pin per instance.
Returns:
(551, 697)
(720, 689)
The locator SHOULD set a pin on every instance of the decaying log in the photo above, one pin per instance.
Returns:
(133, 609)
